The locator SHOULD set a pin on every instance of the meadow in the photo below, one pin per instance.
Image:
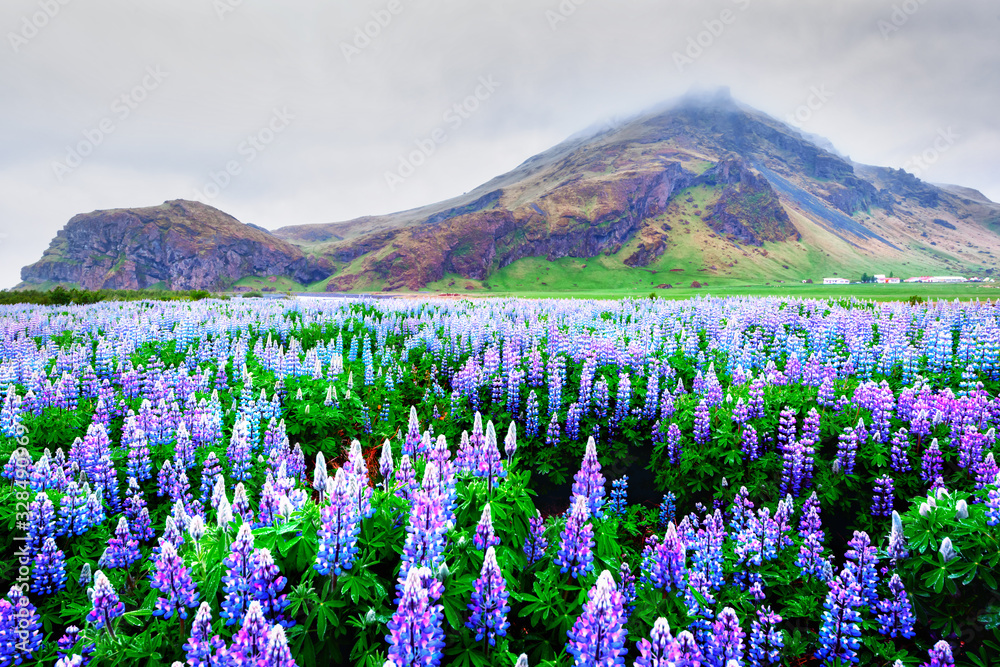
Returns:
(722, 480)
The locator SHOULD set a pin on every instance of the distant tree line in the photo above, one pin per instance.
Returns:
(65, 297)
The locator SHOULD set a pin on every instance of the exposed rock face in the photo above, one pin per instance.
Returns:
(182, 244)
(748, 208)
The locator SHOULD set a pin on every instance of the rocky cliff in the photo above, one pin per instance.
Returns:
(178, 245)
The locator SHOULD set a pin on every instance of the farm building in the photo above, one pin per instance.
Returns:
(836, 281)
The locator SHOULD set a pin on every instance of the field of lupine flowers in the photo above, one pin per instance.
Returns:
(717, 482)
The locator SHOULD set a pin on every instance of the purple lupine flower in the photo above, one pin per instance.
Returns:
(489, 462)
(766, 640)
(424, 545)
(415, 633)
(535, 543)
(668, 509)
(202, 644)
(895, 614)
(810, 559)
(674, 450)
(211, 472)
(576, 541)
(552, 432)
(628, 588)
(485, 537)
(664, 563)
(66, 644)
(406, 478)
(702, 423)
(726, 642)
(900, 458)
(883, 498)
(793, 455)
(840, 631)
(411, 446)
(659, 650)
(41, 523)
(385, 464)
(931, 463)
(106, 605)
(338, 535)
(173, 579)
(489, 601)
(277, 652)
(847, 450)
(238, 451)
(49, 572)
(123, 549)
(589, 482)
(236, 580)
(250, 642)
(862, 560)
(266, 584)
(993, 505)
(623, 399)
(531, 415)
(270, 504)
(25, 633)
(598, 635)
(940, 655)
(751, 443)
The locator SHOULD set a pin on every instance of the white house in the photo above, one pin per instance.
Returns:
(836, 281)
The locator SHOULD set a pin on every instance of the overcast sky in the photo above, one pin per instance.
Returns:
(118, 103)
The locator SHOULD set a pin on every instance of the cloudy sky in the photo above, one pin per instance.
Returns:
(297, 111)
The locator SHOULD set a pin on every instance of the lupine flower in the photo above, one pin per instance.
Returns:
(862, 560)
(552, 431)
(49, 572)
(266, 584)
(576, 541)
(702, 423)
(385, 464)
(276, 652)
(883, 498)
(424, 545)
(664, 563)
(531, 415)
(489, 601)
(619, 497)
(895, 614)
(41, 523)
(123, 549)
(338, 535)
(674, 450)
(85, 576)
(250, 642)
(931, 463)
(627, 588)
(659, 650)
(766, 640)
(415, 633)
(236, 580)
(810, 559)
(726, 641)
(896, 548)
(202, 644)
(173, 579)
(589, 482)
(668, 509)
(23, 627)
(940, 655)
(535, 543)
(598, 635)
(485, 537)
(751, 443)
(847, 450)
(106, 605)
(68, 642)
(947, 550)
(840, 632)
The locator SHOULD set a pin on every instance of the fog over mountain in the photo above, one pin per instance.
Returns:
(311, 112)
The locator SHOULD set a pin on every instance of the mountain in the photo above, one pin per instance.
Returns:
(177, 245)
(704, 189)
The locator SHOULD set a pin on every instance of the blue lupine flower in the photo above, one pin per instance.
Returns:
(489, 601)
(202, 644)
(895, 614)
(123, 549)
(236, 580)
(277, 652)
(266, 584)
(575, 553)
(726, 643)
(598, 635)
(41, 523)
(415, 633)
(49, 572)
(840, 631)
(702, 423)
(664, 563)
(668, 509)
(940, 655)
(106, 605)
(485, 537)
(619, 497)
(173, 579)
(250, 642)
(338, 534)
(659, 650)
(23, 625)
(882, 500)
(766, 640)
(589, 482)
(535, 543)
(531, 415)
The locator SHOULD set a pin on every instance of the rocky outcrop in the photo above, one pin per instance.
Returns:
(178, 245)
(748, 208)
